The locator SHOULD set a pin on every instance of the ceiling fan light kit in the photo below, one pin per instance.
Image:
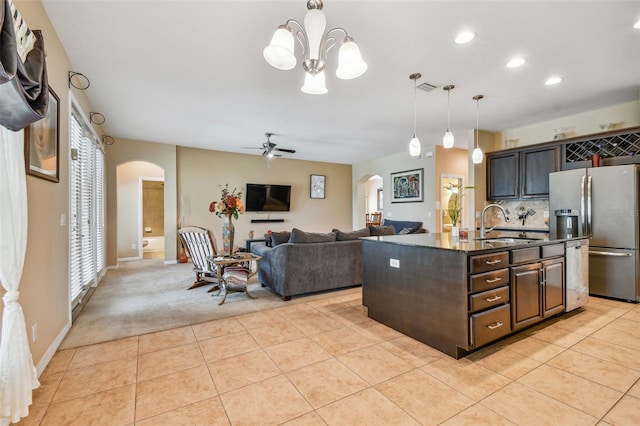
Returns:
(315, 45)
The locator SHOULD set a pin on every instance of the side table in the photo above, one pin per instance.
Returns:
(235, 259)
(249, 242)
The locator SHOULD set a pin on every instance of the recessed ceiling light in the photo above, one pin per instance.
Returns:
(553, 80)
(465, 37)
(637, 25)
(516, 62)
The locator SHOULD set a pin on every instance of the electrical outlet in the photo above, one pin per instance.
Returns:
(34, 332)
(546, 214)
(133, 246)
(394, 263)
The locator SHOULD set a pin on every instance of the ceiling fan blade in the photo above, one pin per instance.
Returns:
(290, 151)
(251, 147)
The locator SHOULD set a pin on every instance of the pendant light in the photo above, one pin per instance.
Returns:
(448, 139)
(414, 144)
(477, 155)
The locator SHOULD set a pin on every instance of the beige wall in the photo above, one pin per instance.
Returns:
(44, 288)
(200, 172)
(153, 208)
(624, 115)
(129, 228)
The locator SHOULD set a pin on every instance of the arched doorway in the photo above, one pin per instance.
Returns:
(138, 232)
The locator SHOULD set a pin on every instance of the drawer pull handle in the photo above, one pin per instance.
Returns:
(494, 326)
(492, 262)
(493, 299)
(495, 280)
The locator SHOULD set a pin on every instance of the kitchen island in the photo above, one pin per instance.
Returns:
(457, 296)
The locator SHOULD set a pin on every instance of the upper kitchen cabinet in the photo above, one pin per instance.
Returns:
(535, 166)
(503, 177)
(521, 174)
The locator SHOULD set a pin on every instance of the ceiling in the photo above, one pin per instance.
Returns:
(191, 73)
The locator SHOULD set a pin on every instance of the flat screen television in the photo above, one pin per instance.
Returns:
(267, 198)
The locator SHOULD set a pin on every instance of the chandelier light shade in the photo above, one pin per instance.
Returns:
(414, 143)
(448, 139)
(315, 45)
(477, 156)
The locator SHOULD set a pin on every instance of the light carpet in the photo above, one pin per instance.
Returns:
(146, 296)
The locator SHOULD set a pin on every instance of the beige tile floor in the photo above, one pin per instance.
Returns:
(326, 362)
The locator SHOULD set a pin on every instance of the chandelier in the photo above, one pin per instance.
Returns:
(315, 46)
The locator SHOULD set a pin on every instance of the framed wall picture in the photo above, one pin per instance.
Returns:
(42, 143)
(407, 186)
(318, 186)
(380, 199)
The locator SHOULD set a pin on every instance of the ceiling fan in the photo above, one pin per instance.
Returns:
(269, 147)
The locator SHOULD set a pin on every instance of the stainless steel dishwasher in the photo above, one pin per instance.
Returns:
(577, 273)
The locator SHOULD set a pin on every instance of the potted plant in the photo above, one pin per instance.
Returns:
(454, 209)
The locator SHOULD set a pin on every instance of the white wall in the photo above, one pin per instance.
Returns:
(373, 184)
(419, 211)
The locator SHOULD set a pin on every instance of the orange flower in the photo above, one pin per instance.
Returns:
(230, 203)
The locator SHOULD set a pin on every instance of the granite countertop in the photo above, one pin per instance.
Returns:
(445, 241)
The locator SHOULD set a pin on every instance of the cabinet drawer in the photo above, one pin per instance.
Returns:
(489, 280)
(490, 325)
(489, 262)
(528, 254)
(553, 250)
(488, 299)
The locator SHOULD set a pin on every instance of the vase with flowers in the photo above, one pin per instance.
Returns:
(455, 206)
(229, 206)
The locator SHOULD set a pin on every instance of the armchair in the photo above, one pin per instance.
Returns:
(199, 244)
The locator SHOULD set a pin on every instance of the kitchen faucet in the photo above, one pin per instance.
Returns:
(483, 230)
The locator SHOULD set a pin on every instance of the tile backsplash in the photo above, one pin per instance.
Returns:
(536, 221)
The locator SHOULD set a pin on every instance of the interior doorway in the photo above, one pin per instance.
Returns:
(445, 196)
(152, 218)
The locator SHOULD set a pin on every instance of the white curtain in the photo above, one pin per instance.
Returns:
(18, 376)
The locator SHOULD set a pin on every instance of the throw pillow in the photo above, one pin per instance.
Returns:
(405, 231)
(298, 236)
(278, 238)
(353, 235)
(382, 230)
(267, 237)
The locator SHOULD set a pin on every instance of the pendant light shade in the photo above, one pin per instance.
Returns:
(414, 143)
(350, 63)
(279, 53)
(448, 139)
(314, 84)
(477, 156)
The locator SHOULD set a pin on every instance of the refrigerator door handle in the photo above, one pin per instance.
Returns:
(589, 189)
(583, 207)
(606, 253)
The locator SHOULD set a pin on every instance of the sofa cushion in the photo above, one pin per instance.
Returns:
(352, 235)
(298, 236)
(267, 238)
(399, 225)
(381, 230)
(278, 238)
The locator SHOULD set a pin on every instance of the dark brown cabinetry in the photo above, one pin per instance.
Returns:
(537, 289)
(503, 177)
(535, 166)
(521, 174)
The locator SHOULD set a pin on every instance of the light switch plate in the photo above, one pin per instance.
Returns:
(394, 263)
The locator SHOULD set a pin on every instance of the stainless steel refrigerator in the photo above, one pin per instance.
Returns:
(607, 201)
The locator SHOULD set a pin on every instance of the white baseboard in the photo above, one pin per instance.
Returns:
(124, 259)
(51, 351)
(112, 267)
(170, 262)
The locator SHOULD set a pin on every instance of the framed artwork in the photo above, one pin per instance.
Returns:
(407, 186)
(317, 186)
(42, 143)
(380, 200)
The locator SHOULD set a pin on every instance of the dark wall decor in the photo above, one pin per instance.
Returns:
(42, 143)
(407, 186)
